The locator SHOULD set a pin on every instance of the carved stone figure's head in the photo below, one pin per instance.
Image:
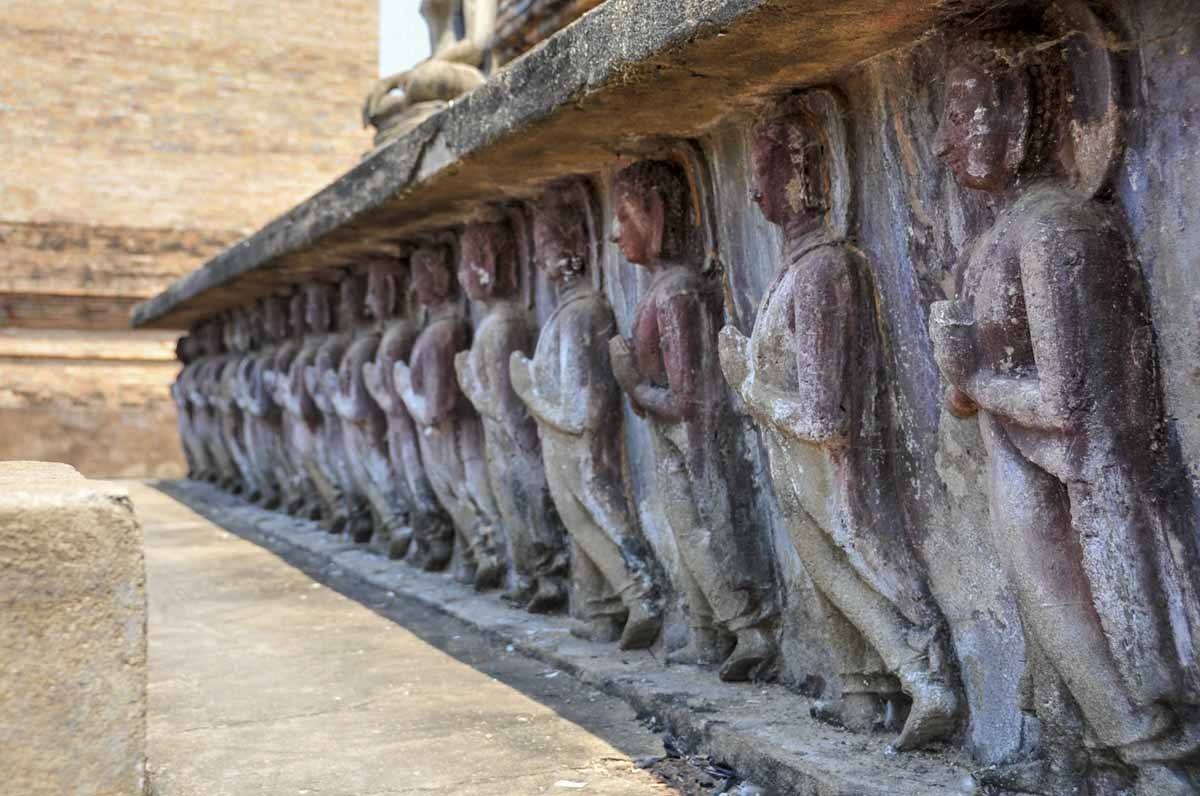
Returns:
(488, 262)
(789, 159)
(1002, 103)
(352, 300)
(652, 212)
(318, 307)
(187, 349)
(275, 318)
(561, 240)
(296, 320)
(432, 278)
(211, 338)
(385, 290)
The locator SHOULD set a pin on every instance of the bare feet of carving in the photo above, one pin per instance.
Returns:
(603, 629)
(703, 647)
(520, 594)
(549, 597)
(489, 572)
(754, 648)
(642, 626)
(465, 572)
(934, 709)
(401, 542)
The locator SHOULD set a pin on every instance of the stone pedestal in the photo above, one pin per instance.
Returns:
(73, 637)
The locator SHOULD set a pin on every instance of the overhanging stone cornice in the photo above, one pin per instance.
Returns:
(628, 69)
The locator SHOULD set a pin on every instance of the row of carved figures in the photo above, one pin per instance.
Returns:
(410, 432)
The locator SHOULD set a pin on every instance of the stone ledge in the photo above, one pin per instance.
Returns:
(764, 732)
(628, 69)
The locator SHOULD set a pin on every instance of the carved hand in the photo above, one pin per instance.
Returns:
(622, 363)
(733, 348)
(520, 374)
(466, 377)
(952, 330)
(402, 378)
(373, 380)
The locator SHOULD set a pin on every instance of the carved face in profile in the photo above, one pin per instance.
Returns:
(650, 220)
(789, 164)
(984, 126)
(317, 313)
(383, 290)
(487, 262)
(296, 306)
(274, 311)
(431, 277)
(352, 292)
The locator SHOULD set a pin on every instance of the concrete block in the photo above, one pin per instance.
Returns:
(73, 638)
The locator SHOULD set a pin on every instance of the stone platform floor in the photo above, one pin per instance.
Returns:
(264, 681)
(763, 732)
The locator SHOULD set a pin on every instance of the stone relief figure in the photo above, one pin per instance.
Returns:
(259, 413)
(488, 271)
(336, 444)
(201, 384)
(292, 428)
(670, 372)
(451, 435)
(460, 33)
(364, 426)
(305, 420)
(188, 351)
(1050, 341)
(569, 388)
(810, 375)
(285, 328)
(231, 420)
(431, 536)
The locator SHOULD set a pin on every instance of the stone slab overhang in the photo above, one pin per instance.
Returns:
(629, 69)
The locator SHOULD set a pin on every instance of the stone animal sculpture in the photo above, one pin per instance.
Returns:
(569, 389)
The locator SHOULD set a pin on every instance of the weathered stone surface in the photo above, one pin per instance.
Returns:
(73, 672)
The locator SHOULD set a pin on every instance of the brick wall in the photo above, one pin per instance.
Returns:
(140, 138)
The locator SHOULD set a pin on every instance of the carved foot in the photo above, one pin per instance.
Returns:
(438, 557)
(933, 714)
(400, 544)
(550, 597)
(703, 647)
(1179, 740)
(360, 529)
(1163, 780)
(859, 712)
(465, 573)
(520, 594)
(603, 629)
(489, 572)
(642, 626)
(754, 648)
